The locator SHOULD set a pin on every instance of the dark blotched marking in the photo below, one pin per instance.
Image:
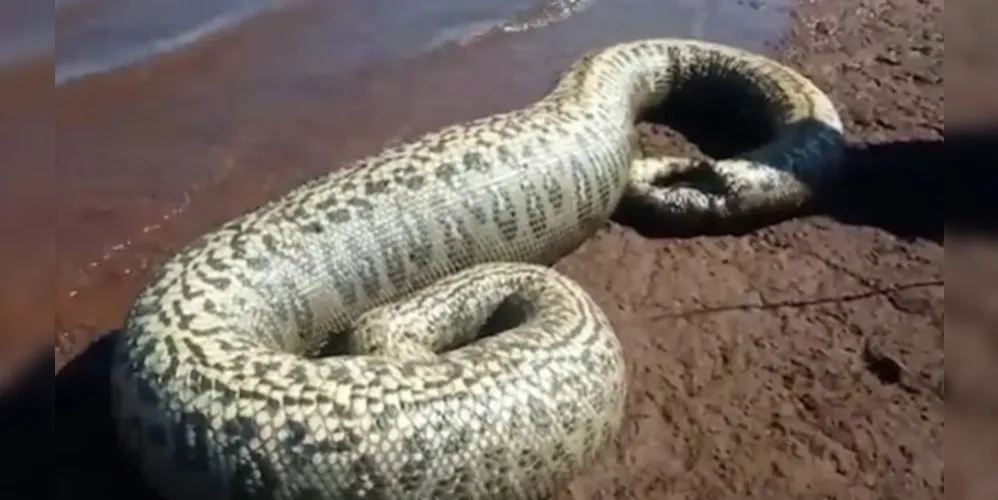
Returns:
(448, 173)
(526, 459)
(412, 470)
(349, 443)
(338, 408)
(393, 260)
(348, 186)
(270, 243)
(289, 400)
(582, 186)
(413, 182)
(195, 291)
(344, 286)
(173, 358)
(294, 444)
(211, 307)
(508, 129)
(297, 373)
(418, 246)
(473, 207)
(365, 476)
(183, 320)
(364, 206)
(339, 215)
(475, 162)
(409, 168)
(195, 350)
(553, 190)
(535, 213)
(605, 191)
(438, 144)
(255, 473)
(249, 395)
(376, 186)
(507, 157)
(216, 282)
(241, 427)
(505, 214)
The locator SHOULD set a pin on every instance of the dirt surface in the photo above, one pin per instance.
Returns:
(803, 360)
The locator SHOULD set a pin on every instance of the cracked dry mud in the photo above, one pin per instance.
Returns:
(804, 360)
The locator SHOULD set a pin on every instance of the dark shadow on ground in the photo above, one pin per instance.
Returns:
(88, 463)
(920, 188)
(26, 422)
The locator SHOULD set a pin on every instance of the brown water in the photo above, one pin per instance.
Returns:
(171, 116)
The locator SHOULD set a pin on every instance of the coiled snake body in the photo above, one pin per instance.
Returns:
(397, 263)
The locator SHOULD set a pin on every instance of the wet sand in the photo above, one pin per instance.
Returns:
(804, 360)
(29, 202)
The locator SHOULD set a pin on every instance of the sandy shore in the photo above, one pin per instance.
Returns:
(802, 361)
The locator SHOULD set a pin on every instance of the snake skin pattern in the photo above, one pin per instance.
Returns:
(324, 345)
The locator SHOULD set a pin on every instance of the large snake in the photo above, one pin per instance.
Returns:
(324, 345)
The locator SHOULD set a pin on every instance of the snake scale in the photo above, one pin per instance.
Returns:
(324, 345)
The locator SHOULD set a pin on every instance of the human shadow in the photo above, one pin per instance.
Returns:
(894, 186)
(26, 422)
(920, 188)
(88, 462)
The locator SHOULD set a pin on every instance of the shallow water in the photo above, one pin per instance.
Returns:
(95, 36)
(171, 116)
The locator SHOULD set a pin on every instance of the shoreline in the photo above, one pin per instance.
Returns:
(241, 131)
(805, 359)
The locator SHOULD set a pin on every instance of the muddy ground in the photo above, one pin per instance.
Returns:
(803, 360)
